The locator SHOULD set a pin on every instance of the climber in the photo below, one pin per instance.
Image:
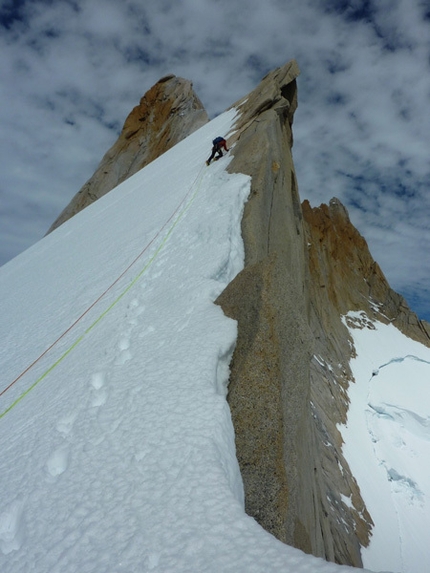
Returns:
(218, 143)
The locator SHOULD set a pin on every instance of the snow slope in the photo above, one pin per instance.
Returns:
(116, 438)
(387, 442)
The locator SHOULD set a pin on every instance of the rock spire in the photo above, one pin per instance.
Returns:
(290, 371)
(292, 480)
(166, 114)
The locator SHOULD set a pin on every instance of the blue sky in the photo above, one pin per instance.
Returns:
(71, 71)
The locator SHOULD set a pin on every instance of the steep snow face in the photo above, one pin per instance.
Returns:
(116, 438)
(387, 442)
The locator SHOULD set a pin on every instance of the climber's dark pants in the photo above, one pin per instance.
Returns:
(216, 149)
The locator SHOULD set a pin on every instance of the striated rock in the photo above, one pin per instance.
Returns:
(352, 279)
(304, 268)
(344, 277)
(284, 415)
(167, 113)
(266, 299)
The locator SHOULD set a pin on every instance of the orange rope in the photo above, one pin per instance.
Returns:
(104, 293)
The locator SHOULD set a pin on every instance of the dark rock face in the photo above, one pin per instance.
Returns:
(167, 113)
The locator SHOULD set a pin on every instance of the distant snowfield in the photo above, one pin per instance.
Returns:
(117, 447)
(387, 443)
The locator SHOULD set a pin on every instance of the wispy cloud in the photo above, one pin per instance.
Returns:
(71, 70)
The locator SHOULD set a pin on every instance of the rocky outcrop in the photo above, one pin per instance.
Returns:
(349, 277)
(290, 372)
(280, 447)
(344, 277)
(167, 113)
(266, 299)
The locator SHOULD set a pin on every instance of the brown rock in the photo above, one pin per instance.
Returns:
(287, 443)
(304, 269)
(340, 258)
(167, 113)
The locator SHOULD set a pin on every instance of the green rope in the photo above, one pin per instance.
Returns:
(114, 303)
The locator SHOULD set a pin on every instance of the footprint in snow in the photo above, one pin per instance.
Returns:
(125, 354)
(135, 309)
(99, 395)
(11, 527)
(98, 380)
(58, 462)
(124, 344)
(65, 425)
(98, 398)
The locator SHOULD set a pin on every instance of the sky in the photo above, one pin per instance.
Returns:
(72, 70)
(117, 442)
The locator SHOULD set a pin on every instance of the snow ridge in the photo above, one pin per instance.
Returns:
(123, 458)
(397, 361)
